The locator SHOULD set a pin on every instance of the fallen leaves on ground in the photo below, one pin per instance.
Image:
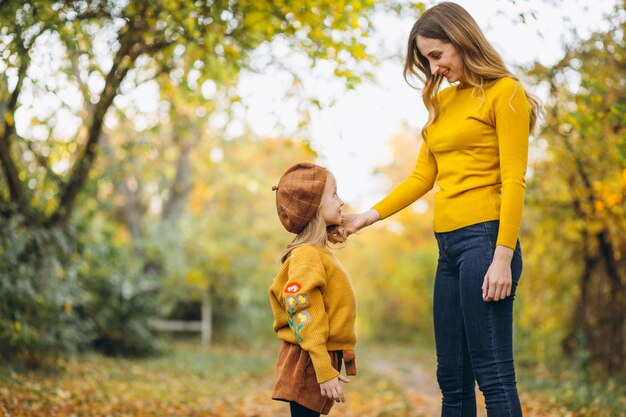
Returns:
(229, 382)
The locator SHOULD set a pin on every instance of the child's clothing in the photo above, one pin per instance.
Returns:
(299, 195)
(314, 308)
(296, 381)
(298, 410)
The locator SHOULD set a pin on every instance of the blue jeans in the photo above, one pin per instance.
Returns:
(474, 338)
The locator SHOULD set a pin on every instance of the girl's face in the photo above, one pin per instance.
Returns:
(444, 58)
(331, 203)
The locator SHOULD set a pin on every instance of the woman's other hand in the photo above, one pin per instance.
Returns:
(498, 280)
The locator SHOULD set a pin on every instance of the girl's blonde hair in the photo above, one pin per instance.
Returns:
(314, 233)
(451, 23)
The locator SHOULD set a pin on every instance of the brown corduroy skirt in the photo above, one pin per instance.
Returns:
(296, 380)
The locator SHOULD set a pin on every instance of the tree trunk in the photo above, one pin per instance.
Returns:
(580, 322)
(16, 190)
(612, 305)
(181, 187)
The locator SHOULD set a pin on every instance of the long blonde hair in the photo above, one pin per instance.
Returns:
(451, 23)
(314, 233)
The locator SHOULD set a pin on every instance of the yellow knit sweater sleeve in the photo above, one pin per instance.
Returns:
(512, 123)
(304, 304)
(416, 185)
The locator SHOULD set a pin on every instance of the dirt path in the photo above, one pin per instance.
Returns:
(419, 384)
(417, 378)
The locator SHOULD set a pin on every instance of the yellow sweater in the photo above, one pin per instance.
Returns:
(476, 151)
(314, 305)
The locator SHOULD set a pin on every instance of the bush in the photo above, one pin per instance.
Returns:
(39, 295)
(122, 296)
(121, 309)
(60, 294)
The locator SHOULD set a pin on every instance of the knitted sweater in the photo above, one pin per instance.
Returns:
(314, 305)
(476, 151)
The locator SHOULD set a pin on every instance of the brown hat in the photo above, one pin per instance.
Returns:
(298, 195)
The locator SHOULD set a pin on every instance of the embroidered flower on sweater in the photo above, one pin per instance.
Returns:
(303, 317)
(302, 299)
(293, 287)
(291, 301)
(296, 319)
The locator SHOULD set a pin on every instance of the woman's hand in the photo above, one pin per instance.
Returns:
(352, 223)
(498, 279)
(332, 390)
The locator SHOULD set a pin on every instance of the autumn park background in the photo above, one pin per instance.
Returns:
(119, 214)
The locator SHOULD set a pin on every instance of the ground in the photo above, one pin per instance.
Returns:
(229, 381)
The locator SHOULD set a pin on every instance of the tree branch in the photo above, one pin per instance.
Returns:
(16, 189)
(132, 45)
(82, 85)
(129, 213)
(181, 186)
(44, 162)
(130, 49)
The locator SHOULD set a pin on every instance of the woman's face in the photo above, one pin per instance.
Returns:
(443, 58)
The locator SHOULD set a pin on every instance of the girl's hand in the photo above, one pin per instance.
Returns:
(498, 279)
(337, 234)
(332, 390)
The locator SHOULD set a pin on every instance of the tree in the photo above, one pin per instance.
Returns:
(578, 191)
(83, 57)
(161, 37)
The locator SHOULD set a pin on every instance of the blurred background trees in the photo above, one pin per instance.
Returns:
(577, 202)
(95, 186)
(128, 194)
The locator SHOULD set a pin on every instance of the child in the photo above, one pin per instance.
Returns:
(312, 296)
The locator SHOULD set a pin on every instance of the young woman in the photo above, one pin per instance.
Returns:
(475, 148)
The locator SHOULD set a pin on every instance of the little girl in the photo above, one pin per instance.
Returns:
(312, 297)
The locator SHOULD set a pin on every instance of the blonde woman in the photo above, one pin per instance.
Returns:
(475, 149)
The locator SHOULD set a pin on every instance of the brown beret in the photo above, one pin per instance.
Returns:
(298, 195)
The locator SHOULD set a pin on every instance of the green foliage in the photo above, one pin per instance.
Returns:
(98, 49)
(569, 389)
(121, 297)
(39, 296)
(60, 295)
(101, 50)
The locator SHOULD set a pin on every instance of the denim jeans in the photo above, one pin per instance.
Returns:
(474, 338)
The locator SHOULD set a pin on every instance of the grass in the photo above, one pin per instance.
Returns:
(574, 393)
